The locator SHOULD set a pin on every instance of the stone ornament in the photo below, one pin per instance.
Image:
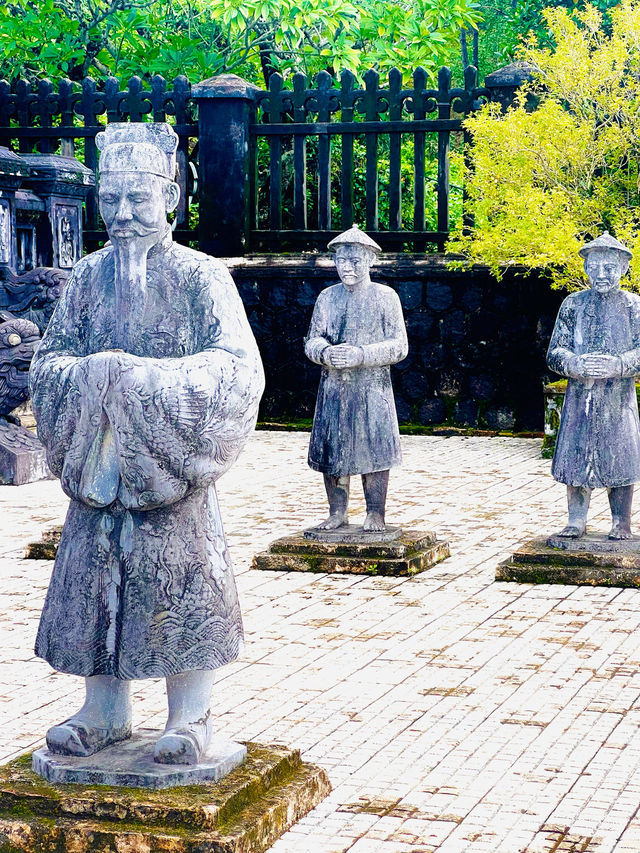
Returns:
(357, 331)
(145, 389)
(18, 340)
(22, 458)
(596, 345)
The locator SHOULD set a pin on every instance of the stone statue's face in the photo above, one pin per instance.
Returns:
(605, 268)
(134, 204)
(353, 263)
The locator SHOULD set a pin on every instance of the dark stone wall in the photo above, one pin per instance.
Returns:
(476, 346)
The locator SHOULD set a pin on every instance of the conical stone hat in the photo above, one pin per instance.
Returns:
(604, 241)
(354, 236)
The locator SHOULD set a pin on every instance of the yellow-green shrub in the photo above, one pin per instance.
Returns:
(543, 182)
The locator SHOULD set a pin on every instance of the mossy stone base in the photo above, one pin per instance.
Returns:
(47, 548)
(413, 552)
(537, 562)
(243, 813)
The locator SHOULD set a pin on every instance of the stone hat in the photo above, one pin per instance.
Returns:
(605, 241)
(148, 147)
(354, 236)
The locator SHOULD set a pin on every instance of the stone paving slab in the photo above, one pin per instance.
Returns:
(452, 713)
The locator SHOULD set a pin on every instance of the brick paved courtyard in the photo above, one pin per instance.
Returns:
(451, 713)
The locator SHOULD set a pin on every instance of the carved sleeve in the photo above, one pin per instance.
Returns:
(560, 350)
(630, 360)
(316, 341)
(64, 390)
(394, 347)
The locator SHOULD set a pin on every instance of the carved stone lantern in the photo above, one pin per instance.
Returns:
(13, 170)
(62, 184)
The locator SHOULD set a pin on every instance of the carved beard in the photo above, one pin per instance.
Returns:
(130, 286)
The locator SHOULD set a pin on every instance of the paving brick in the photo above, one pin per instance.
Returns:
(452, 713)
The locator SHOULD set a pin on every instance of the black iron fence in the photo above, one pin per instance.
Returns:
(273, 170)
(66, 119)
(383, 119)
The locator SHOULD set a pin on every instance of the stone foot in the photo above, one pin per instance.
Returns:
(373, 522)
(75, 737)
(620, 531)
(335, 520)
(573, 531)
(184, 744)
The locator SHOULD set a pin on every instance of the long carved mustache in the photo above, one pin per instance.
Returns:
(138, 229)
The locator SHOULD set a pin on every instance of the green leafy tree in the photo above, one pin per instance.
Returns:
(506, 24)
(199, 38)
(543, 181)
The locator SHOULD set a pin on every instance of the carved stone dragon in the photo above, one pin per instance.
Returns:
(18, 341)
(32, 295)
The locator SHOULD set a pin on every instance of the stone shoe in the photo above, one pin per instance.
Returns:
(73, 737)
(183, 744)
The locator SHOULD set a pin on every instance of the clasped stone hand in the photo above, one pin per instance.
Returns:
(343, 355)
(593, 365)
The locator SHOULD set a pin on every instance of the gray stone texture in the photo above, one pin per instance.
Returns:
(18, 341)
(22, 457)
(351, 534)
(595, 543)
(598, 443)
(414, 551)
(355, 426)
(589, 561)
(33, 295)
(498, 360)
(145, 389)
(130, 764)
(246, 811)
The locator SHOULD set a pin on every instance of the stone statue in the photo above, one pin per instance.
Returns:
(357, 330)
(145, 389)
(596, 344)
(32, 295)
(18, 341)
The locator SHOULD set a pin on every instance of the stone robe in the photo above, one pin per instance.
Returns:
(142, 585)
(355, 426)
(599, 438)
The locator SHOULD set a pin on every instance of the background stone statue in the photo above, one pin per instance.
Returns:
(145, 389)
(18, 341)
(596, 344)
(357, 330)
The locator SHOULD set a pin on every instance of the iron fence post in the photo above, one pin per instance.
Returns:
(226, 109)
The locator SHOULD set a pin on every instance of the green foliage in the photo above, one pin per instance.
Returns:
(205, 37)
(506, 24)
(543, 182)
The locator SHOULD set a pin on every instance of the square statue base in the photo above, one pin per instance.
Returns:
(130, 764)
(593, 560)
(22, 458)
(248, 810)
(410, 552)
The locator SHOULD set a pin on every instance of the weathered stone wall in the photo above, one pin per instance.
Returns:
(476, 346)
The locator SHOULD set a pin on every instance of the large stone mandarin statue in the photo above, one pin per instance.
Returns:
(596, 344)
(357, 330)
(145, 389)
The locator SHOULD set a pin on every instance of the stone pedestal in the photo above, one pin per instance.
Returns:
(22, 457)
(246, 811)
(130, 764)
(413, 552)
(593, 560)
(47, 547)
